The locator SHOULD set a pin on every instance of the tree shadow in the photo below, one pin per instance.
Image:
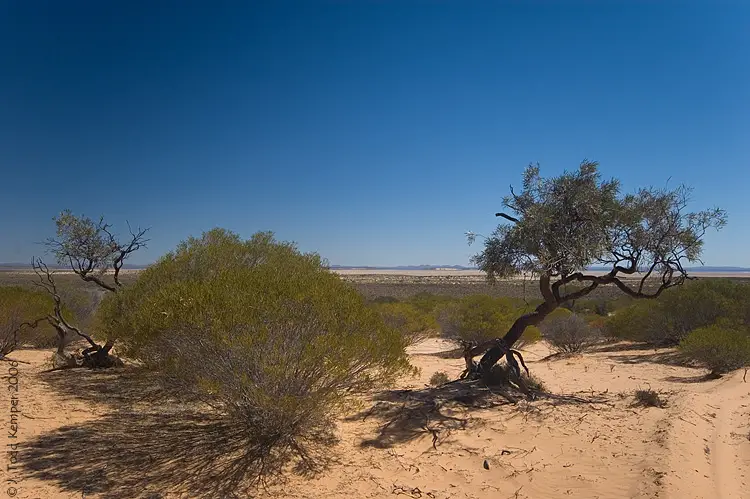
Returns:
(406, 415)
(620, 347)
(701, 378)
(668, 358)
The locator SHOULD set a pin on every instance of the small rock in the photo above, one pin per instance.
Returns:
(486, 465)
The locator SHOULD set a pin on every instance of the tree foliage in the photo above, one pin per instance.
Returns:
(92, 250)
(560, 226)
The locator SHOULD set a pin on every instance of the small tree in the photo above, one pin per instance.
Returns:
(560, 226)
(96, 255)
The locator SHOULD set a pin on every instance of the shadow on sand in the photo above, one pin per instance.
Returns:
(145, 447)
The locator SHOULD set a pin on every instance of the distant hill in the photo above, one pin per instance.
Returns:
(401, 267)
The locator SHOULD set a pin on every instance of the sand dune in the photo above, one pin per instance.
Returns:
(596, 445)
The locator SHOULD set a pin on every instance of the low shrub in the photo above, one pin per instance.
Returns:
(18, 305)
(720, 348)
(413, 324)
(678, 311)
(265, 334)
(649, 398)
(439, 378)
(568, 333)
(501, 375)
(479, 318)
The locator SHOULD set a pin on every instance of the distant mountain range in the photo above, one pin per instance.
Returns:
(402, 267)
(16, 266)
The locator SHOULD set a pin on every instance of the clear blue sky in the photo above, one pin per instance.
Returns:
(373, 132)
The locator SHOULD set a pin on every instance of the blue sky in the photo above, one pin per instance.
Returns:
(373, 132)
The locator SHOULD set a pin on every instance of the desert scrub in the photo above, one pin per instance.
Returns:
(264, 333)
(413, 323)
(721, 348)
(678, 311)
(18, 305)
(567, 332)
(479, 318)
(649, 398)
(439, 378)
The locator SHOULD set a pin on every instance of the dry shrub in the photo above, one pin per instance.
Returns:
(439, 378)
(568, 333)
(649, 398)
(501, 375)
(267, 336)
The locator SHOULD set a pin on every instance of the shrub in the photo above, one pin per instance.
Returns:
(680, 310)
(567, 333)
(428, 303)
(19, 305)
(286, 341)
(718, 347)
(479, 318)
(439, 378)
(649, 398)
(413, 323)
(641, 321)
(500, 375)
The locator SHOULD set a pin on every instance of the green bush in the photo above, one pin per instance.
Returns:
(428, 303)
(479, 318)
(18, 305)
(718, 347)
(413, 323)
(262, 332)
(678, 311)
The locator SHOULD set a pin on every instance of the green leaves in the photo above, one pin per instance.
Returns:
(567, 223)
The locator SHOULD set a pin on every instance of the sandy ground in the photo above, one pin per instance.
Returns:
(75, 440)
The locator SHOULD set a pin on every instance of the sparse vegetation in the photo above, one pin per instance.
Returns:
(439, 378)
(568, 333)
(649, 398)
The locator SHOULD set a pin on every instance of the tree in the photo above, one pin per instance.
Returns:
(96, 255)
(560, 226)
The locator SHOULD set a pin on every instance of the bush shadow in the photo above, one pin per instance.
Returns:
(128, 455)
(151, 443)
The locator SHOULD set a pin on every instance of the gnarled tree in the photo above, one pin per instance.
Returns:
(559, 227)
(96, 255)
